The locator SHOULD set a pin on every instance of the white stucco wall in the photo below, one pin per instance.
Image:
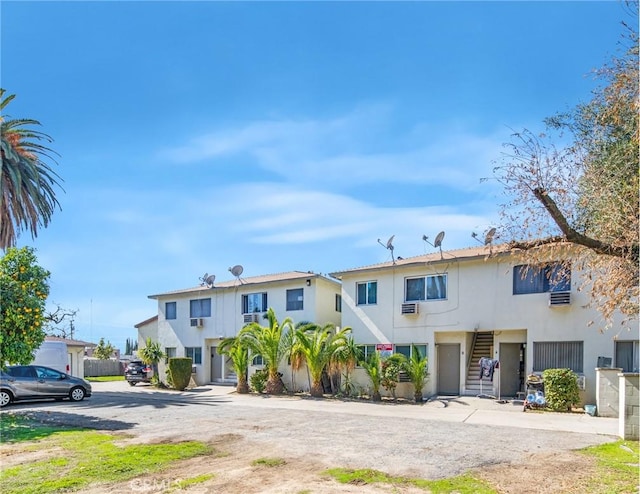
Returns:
(227, 318)
(479, 297)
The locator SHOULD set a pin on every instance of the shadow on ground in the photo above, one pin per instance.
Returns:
(71, 420)
(126, 399)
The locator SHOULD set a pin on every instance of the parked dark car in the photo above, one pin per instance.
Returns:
(136, 372)
(36, 382)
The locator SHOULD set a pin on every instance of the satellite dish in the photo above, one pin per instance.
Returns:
(438, 241)
(389, 246)
(209, 280)
(204, 277)
(488, 238)
(236, 270)
(390, 242)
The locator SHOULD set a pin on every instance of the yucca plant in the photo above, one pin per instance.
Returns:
(239, 355)
(151, 354)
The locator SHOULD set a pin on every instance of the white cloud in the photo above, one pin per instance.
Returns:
(356, 148)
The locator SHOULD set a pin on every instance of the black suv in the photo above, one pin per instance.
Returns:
(137, 372)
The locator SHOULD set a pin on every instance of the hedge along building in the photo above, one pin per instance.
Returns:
(192, 322)
(459, 306)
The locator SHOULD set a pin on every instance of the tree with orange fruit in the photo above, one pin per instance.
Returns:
(24, 289)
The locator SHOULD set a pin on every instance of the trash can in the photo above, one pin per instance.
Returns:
(590, 409)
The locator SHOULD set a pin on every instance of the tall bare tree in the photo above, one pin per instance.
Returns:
(577, 186)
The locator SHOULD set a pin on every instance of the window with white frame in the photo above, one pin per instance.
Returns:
(627, 355)
(170, 311)
(257, 360)
(558, 355)
(200, 307)
(254, 302)
(432, 287)
(169, 352)
(367, 293)
(338, 302)
(195, 352)
(295, 299)
(553, 277)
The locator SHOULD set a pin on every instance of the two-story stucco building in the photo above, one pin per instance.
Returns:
(192, 322)
(456, 307)
(460, 306)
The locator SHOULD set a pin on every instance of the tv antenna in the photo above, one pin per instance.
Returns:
(437, 243)
(237, 271)
(207, 280)
(389, 246)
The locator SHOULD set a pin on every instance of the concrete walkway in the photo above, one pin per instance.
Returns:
(463, 409)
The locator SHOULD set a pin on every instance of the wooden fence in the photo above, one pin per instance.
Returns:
(97, 367)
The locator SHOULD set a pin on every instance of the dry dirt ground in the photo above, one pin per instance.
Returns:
(231, 470)
(311, 436)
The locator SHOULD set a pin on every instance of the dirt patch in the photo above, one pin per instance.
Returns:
(565, 472)
(231, 471)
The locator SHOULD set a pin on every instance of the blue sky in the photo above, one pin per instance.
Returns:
(277, 135)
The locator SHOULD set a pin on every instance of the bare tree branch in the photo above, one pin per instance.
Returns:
(575, 237)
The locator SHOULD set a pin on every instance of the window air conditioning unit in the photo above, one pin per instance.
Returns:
(408, 309)
(247, 318)
(559, 298)
(581, 382)
(197, 322)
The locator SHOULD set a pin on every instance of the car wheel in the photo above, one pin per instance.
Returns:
(5, 398)
(132, 383)
(76, 394)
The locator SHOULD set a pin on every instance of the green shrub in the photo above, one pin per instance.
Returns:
(560, 389)
(180, 372)
(391, 367)
(259, 380)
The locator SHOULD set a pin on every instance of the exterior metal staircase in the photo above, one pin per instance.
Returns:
(482, 347)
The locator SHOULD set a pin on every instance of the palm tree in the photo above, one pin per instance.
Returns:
(373, 368)
(239, 355)
(417, 370)
(27, 197)
(151, 354)
(347, 358)
(271, 343)
(320, 347)
(296, 358)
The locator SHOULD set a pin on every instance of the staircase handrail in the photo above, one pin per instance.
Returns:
(470, 353)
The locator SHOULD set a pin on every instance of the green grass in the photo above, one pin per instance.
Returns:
(617, 471)
(84, 457)
(463, 484)
(618, 467)
(184, 483)
(15, 428)
(104, 379)
(268, 462)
